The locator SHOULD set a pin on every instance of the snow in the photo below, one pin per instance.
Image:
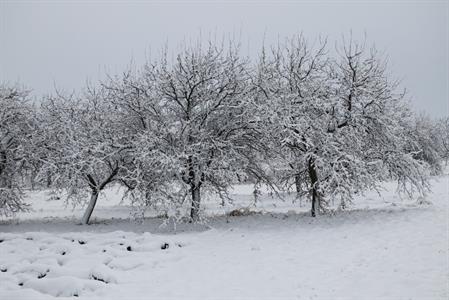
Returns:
(383, 248)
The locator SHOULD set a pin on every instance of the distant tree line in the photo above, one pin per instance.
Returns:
(327, 125)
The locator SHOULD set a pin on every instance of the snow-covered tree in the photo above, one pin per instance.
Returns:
(340, 119)
(425, 140)
(15, 132)
(177, 129)
(442, 132)
(293, 79)
(85, 145)
(197, 111)
(150, 176)
(368, 118)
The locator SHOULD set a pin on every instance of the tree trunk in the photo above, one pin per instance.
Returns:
(298, 189)
(48, 179)
(298, 185)
(195, 186)
(32, 176)
(2, 168)
(314, 181)
(196, 199)
(90, 207)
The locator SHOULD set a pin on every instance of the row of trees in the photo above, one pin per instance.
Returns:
(172, 131)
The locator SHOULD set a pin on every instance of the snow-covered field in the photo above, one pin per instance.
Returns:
(383, 248)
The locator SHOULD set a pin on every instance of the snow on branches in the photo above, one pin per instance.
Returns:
(339, 119)
(15, 132)
(331, 123)
(198, 111)
(85, 144)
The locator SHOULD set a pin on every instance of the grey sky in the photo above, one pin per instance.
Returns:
(43, 43)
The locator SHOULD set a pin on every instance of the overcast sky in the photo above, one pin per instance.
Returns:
(62, 43)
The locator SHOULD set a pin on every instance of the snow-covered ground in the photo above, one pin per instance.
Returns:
(383, 248)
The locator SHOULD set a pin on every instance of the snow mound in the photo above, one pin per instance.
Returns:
(64, 286)
(74, 264)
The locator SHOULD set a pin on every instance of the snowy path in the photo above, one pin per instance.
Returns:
(394, 252)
